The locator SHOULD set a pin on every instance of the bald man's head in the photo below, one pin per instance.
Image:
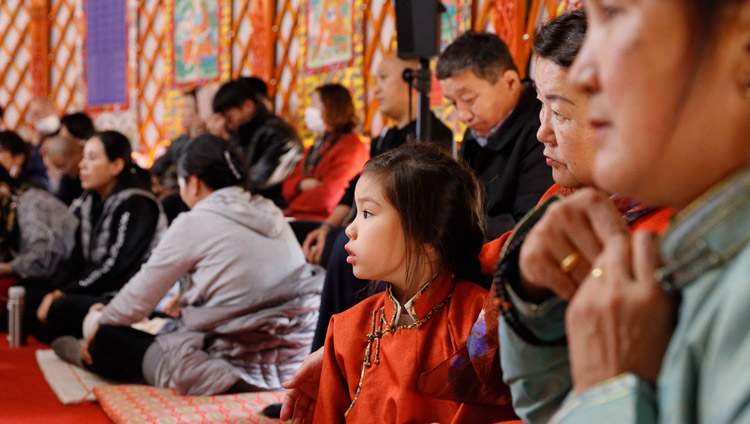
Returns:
(391, 91)
(62, 153)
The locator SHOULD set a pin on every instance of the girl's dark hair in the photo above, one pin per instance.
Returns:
(561, 38)
(214, 161)
(13, 143)
(117, 146)
(440, 203)
(338, 107)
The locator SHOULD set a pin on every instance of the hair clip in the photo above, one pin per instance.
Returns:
(232, 168)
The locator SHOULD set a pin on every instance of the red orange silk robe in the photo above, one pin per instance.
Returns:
(391, 391)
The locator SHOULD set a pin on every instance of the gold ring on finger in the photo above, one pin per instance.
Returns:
(570, 262)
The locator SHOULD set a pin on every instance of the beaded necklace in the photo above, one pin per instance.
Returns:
(385, 328)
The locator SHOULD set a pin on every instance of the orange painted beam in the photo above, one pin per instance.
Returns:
(40, 54)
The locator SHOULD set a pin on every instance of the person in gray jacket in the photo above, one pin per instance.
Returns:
(248, 299)
(33, 223)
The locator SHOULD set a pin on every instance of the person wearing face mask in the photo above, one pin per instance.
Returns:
(318, 181)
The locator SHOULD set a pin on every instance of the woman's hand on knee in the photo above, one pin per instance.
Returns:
(558, 252)
(299, 401)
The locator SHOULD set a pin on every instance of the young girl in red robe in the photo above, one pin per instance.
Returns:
(419, 227)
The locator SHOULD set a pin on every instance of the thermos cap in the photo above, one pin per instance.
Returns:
(16, 292)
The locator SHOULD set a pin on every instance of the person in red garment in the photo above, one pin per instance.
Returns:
(320, 178)
(423, 241)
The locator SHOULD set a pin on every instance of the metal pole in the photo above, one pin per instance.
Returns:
(424, 81)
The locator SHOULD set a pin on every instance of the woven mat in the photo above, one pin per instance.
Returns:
(71, 384)
(125, 404)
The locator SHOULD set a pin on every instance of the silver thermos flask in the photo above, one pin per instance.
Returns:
(15, 316)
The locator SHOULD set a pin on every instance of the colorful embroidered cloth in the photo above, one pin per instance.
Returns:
(126, 404)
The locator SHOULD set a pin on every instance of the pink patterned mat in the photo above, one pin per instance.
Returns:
(130, 404)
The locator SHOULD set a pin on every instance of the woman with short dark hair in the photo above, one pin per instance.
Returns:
(651, 329)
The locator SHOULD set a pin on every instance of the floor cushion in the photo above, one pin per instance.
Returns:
(130, 404)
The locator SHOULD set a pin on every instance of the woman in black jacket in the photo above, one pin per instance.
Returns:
(120, 220)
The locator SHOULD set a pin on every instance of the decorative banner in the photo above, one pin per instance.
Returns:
(348, 74)
(105, 54)
(196, 46)
(330, 33)
(212, 67)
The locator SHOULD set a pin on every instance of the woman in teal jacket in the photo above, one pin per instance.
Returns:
(609, 327)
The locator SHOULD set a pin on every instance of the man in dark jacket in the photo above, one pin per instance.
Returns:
(479, 78)
(271, 147)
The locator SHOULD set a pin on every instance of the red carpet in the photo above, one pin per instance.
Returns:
(26, 398)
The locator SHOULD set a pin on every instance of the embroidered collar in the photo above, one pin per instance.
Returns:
(433, 299)
(432, 293)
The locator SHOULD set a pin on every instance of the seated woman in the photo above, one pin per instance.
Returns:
(248, 299)
(320, 178)
(424, 243)
(33, 223)
(649, 329)
(120, 221)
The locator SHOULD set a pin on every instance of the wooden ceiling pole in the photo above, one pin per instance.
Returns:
(262, 20)
(40, 53)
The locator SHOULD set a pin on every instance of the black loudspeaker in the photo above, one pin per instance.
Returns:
(418, 28)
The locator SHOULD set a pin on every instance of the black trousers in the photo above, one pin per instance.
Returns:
(65, 316)
(117, 353)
